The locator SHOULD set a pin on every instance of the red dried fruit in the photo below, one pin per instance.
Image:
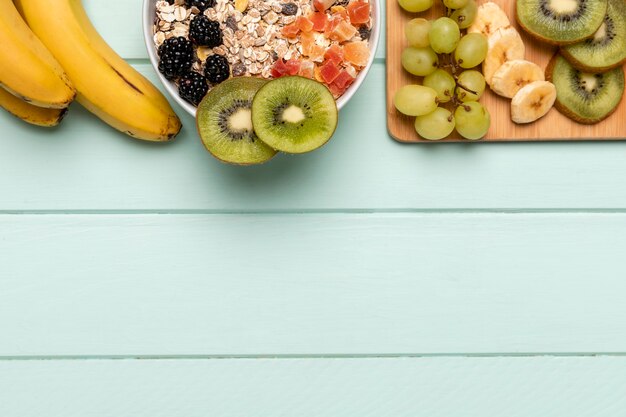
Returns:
(304, 24)
(320, 21)
(329, 72)
(293, 66)
(343, 80)
(359, 12)
(334, 54)
(290, 31)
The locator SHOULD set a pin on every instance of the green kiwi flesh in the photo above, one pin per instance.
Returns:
(294, 114)
(561, 22)
(606, 49)
(584, 97)
(225, 123)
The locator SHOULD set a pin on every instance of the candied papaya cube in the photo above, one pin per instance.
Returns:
(359, 12)
(357, 53)
(334, 53)
(343, 31)
(290, 31)
(304, 24)
(320, 21)
(329, 72)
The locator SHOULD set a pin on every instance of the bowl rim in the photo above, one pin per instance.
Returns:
(148, 22)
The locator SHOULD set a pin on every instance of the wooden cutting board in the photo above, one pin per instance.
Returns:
(552, 127)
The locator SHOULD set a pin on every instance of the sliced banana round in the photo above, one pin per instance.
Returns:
(505, 44)
(533, 101)
(513, 75)
(489, 18)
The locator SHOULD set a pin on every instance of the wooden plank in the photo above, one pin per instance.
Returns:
(437, 387)
(553, 126)
(85, 165)
(311, 284)
(120, 23)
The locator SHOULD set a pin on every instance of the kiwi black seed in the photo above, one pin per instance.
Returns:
(294, 114)
(606, 49)
(561, 22)
(585, 97)
(225, 123)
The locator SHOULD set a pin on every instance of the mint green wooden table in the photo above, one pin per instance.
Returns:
(366, 279)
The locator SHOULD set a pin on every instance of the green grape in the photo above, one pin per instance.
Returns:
(436, 125)
(464, 17)
(415, 6)
(473, 80)
(419, 61)
(454, 4)
(472, 120)
(443, 83)
(471, 51)
(444, 35)
(416, 31)
(415, 100)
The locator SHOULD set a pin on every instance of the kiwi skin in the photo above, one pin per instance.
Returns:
(261, 83)
(616, 11)
(547, 40)
(564, 110)
(585, 68)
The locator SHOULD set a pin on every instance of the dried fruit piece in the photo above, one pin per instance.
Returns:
(322, 5)
(290, 31)
(329, 72)
(334, 54)
(357, 53)
(320, 21)
(241, 5)
(304, 24)
(359, 12)
(343, 31)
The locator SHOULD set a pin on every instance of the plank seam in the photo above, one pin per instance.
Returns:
(313, 356)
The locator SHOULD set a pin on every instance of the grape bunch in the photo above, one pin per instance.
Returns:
(446, 58)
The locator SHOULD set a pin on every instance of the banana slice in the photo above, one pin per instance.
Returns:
(489, 18)
(533, 101)
(505, 44)
(513, 75)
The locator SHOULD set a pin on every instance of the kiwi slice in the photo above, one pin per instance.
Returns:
(584, 97)
(606, 49)
(294, 114)
(225, 123)
(561, 22)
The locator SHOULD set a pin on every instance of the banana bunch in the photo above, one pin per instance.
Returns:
(34, 85)
(50, 55)
(506, 71)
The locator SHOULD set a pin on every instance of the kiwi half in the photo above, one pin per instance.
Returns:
(606, 49)
(561, 22)
(294, 114)
(584, 97)
(225, 123)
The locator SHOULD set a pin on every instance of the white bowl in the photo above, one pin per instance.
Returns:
(149, 15)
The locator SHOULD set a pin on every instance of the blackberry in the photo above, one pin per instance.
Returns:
(216, 69)
(193, 87)
(205, 32)
(202, 5)
(175, 57)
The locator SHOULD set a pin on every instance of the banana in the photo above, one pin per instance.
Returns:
(27, 69)
(513, 75)
(39, 116)
(106, 85)
(505, 44)
(489, 18)
(533, 101)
